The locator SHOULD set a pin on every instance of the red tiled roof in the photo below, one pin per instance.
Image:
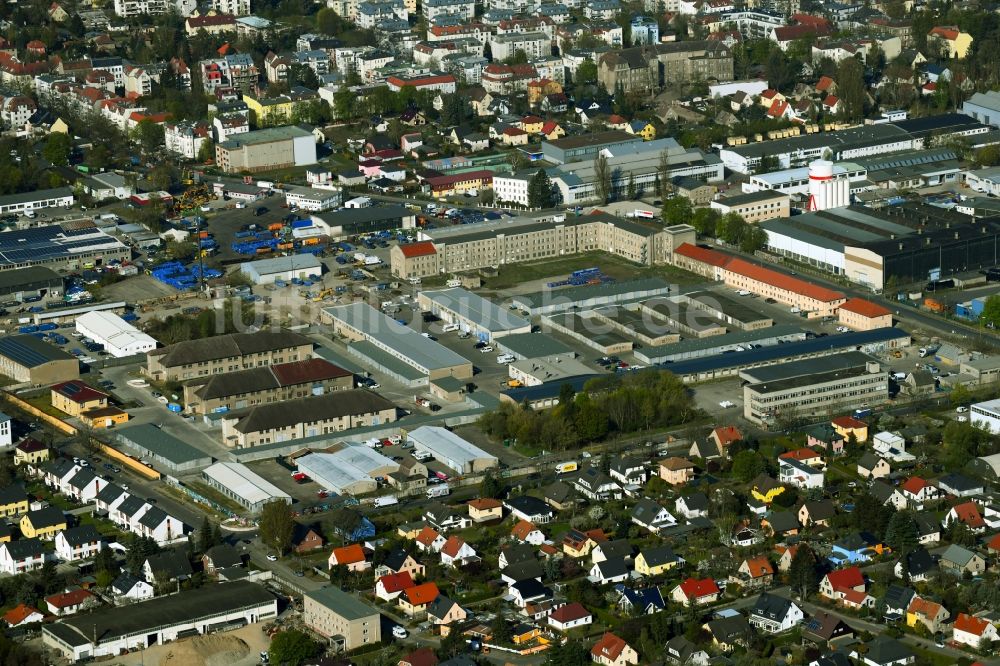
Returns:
(849, 421)
(452, 546)
(396, 582)
(67, 599)
(309, 370)
(778, 108)
(845, 579)
(865, 308)
(609, 647)
(31, 445)
(703, 254)
(805, 453)
(428, 535)
(809, 19)
(854, 596)
(420, 595)
(349, 554)
(994, 543)
(522, 530)
(949, 32)
(787, 33)
(824, 83)
(970, 624)
(694, 588)
(420, 657)
(485, 504)
(760, 566)
(420, 80)
(831, 101)
(421, 249)
(17, 615)
(913, 485)
(727, 434)
(782, 281)
(78, 392)
(968, 513)
(569, 613)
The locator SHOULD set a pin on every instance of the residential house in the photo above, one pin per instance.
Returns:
(352, 556)
(13, 501)
(765, 489)
(131, 589)
(695, 592)
(220, 558)
(526, 591)
(166, 566)
(31, 452)
(615, 570)
(596, 485)
(610, 550)
(773, 614)
(721, 438)
(856, 547)
(70, 601)
(420, 657)
(952, 42)
(485, 509)
(958, 560)
(835, 583)
(826, 630)
(558, 495)
(444, 611)
(22, 615)
(960, 485)
(43, 523)
(848, 426)
(306, 539)
(569, 616)
(897, 599)
(611, 650)
(22, 555)
(429, 540)
(885, 651)
(795, 473)
(457, 552)
(785, 556)
(816, 513)
(928, 529)
(887, 494)
(628, 471)
(917, 565)
(390, 586)
(650, 515)
(781, 524)
(691, 506)
(676, 471)
(928, 613)
(415, 600)
(974, 632)
(871, 466)
(656, 560)
(532, 509)
(754, 573)
(526, 532)
(642, 601)
(444, 518)
(680, 651)
(78, 543)
(399, 561)
(577, 544)
(729, 632)
(968, 514)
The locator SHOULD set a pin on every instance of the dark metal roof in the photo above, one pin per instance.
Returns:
(30, 352)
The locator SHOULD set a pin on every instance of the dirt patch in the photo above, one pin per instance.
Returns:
(219, 650)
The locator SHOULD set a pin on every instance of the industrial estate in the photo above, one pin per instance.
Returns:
(499, 332)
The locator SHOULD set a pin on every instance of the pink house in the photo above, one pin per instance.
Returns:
(370, 168)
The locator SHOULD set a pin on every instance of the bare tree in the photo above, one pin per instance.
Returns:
(602, 178)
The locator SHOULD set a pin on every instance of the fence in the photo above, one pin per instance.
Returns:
(53, 421)
(128, 461)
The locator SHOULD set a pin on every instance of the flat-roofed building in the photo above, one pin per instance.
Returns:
(266, 149)
(163, 449)
(590, 330)
(60, 247)
(451, 450)
(813, 387)
(551, 301)
(110, 631)
(305, 417)
(30, 284)
(755, 206)
(247, 488)
(27, 359)
(533, 345)
(372, 334)
(269, 384)
(344, 619)
(15, 204)
(472, 313)
(226, 353)
(585, 146)
(266, 271)
(119, 338)
(348, 468)
(733, 312)
(536, 371)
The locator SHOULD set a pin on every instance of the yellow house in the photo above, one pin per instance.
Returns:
(485, 509)
(845, 425)
(43, 523)
(75, 397)
(953, 42)
(769, 96)
(13, 501)
(30, 452)
(105, 417)
(643, 129)
(270, 111)
(676, 471)
(525, 633)
(542, 88)
(409, 531)
(532, 124)
(576, 544)
(765, 489)
(552, 130)
(656, 561)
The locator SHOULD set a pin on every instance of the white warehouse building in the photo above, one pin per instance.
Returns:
(451, 450)
(249, 489)
(986, 415)
(119, 337)
(350, 469)
(266, 271)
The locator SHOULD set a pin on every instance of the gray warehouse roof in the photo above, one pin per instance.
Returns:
(590, 292)
(477, 309)
(445, 444)
(52, 242)
(162, 444)
(423, 353)
(28, 276)
(534, 345)
(782, 371)
(295, 262)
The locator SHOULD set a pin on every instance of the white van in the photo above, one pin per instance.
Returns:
(448, 328)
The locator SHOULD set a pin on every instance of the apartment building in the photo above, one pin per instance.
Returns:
(813, 387)
(266, 149)
(226, 353)
(127, 8)
(462, 249)
(306, 417)
(534, 45)
(756, 206)
(263, 385)
(185, 138)
(341, 617)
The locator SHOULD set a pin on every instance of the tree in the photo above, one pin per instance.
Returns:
(767, 164)
(148, 136)
(851, 88)
(803, 576)
(540, 190)
(677, 210)
(631, 190)
(902, 534)
(277, 526)
(292, 648)
(490, 487)
(747, 465)
(602, 178)
(754, 238)
(704, 221)
(586, 72)
(206, 153)
(991, 312)
(57, 148)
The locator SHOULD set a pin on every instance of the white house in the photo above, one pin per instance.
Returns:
(570, 616)
(78, 543)
(158, 525)
(773, 614)
(799, 474)
(185, 138)
(692, 506)
(526, 532)
(6, 439)
(609, 571)
(647, 513)
(70, 601)
(22, 555)
(973, 631)
(130, 588)
(457, 552)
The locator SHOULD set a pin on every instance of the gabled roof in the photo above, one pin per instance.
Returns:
(68, 599)
(609, 647)
(759, 567)
(50, 516)
(422, 594)
(396, 582)
(860, 306)
(771, 606)
(570, 613)
(349, 554)
(968, 514)
(419, 249)
(694, 588)
(727, 434)
(782, 281)
(19, 614)
(453, 546)
(440, 606)
(396, 559)
(846, 578)
(82, 534)
(522, 529)
(970, 624)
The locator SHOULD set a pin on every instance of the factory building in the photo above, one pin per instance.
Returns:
(347, 469)
(247, 488)
(451, 450)
(60, 248)
(266, 271)
(826, 190)
(25, 285)
(266, 149)
(814, 387)
(119, 338)
(533, 345)
(986, 415)
(472, 313)
(17, 204)
(392, 347)
(551, 301)
(537, 371)
(355, 221)
(26, 359)
(162, 449)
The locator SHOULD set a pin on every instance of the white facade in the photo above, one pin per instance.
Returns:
(185, 139)
(68, 552)
(799, 474)
(826, 189)
(126, 8)
(753, 88)
(534, 44)
(57, 198)
(234, 7)
(512, 188)
(246, 487)
(451, 450)
(13, 564)
(986, 181)
(313, 199)
(801, 247)
(6, 438)
(986, 415)
(119, 338)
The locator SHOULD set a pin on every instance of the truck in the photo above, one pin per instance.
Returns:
(454, 282)
(439, 491)
(862, 413)
(385, 500)
(928, 351)
(372, 261)
(359, 256)
(566, 467)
